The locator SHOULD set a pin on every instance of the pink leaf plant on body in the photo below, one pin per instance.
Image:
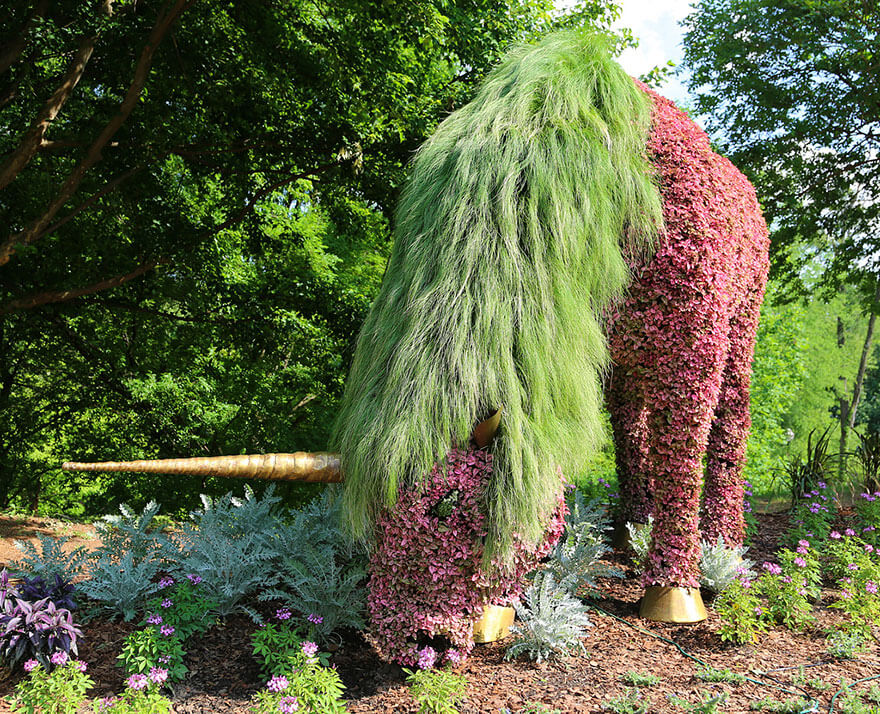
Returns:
(428, 583)
(682, 344)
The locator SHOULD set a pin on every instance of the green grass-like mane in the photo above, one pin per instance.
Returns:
(509, 245)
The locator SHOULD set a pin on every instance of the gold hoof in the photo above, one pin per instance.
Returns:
(668, 604)
(494, 624)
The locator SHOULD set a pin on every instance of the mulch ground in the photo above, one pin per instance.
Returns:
(223, 674)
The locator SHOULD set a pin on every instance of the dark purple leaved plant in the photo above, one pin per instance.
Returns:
(33, 630)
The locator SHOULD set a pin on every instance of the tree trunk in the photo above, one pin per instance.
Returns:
(863, 363)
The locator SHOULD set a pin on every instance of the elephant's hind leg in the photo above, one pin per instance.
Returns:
(722, 512)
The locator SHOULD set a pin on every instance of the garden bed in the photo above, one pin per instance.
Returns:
(223, 674)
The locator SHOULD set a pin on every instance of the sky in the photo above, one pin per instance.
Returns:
(655, 24)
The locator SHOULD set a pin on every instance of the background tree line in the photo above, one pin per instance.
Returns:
(197, 200)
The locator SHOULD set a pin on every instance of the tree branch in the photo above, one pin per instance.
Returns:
(33, 231)
(32, 140)
(13, 49)
(55, 296)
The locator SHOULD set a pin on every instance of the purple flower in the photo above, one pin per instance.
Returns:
(427, 657)
(772, 568)
(107, 703)
(800, 562)
(453, 656)
(283, 613)
(154, 619)
(166, 603)
(814, 508)
(315, 619)
(852, 566)
(166, 582)
(310, 649)
(277, 684)
(871, 587)
(288, 705)
(31, 665)
(834, 535)
(822, 484)
(137, 682)
(194, 579)
(759, 611)
(166, 630)
(59, 658)
(158, 675)
(165, 659)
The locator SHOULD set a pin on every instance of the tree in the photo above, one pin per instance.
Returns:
(791, 90)
(196, 198)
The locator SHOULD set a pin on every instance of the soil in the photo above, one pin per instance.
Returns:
(224, 676)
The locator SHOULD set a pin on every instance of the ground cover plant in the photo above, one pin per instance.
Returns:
(284, 666)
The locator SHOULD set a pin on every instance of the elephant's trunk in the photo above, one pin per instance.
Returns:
(301, 466)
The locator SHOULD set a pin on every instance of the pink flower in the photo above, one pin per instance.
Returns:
(835, 535)
(58, 658)
(772, 568)
(800, 562)
(31, 665)
(277, 684)
(166, 630)
(137, 682)
(427, 657)
(849, 532)
(871, 587)
(81, 666)
(310, 649)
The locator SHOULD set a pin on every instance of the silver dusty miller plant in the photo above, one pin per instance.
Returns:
(721, 564)
(552, 622)
(576, 560)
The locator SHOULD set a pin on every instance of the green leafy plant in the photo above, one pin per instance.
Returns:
(788, 706)
(790, 587)
(706, 704)
(436, 691)
(308, 687)
(711, 674)
(721, 564)
(630, 702)
(867, 461)
(147, 649)
(274, 644)
(800, 475)
(532, 708)
(846, 644)
(60, 691)
(741, 612)
(640, 679)
(552, 621)
(183, 605)
(141, 696)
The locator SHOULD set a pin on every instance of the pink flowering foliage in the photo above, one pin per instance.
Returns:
(427, 581)
(682, 344)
